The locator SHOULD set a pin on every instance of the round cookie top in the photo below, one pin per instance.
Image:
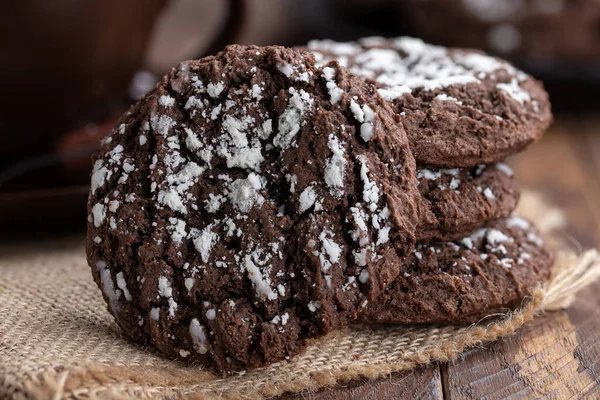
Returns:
(459, 107)
(458, 201)
(250, 201)
(490, 271)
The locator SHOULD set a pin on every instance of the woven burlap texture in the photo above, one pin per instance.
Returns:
(58, 341)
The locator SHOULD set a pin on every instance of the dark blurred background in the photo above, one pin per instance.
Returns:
(70, 68)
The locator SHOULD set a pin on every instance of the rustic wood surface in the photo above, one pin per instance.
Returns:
(556, 356)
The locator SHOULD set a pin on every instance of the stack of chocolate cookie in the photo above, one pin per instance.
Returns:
(464, 112)
(257, 198)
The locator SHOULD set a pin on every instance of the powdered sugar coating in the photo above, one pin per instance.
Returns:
(402, 65)
(441, 93)
(247, 156)
(464, 280)
(457, 201)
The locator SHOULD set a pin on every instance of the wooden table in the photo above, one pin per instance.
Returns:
(556, 356)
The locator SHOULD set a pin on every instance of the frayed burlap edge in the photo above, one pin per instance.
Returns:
(103, 380)
(120, 382)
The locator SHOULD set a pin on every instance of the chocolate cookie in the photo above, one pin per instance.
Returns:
(460, 282)
(531, 30)
(458, 201)
(250, 201)
(459, 107)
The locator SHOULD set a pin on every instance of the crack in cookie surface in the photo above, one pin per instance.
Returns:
(461, 281)
(278, 200)
(459, 107)
(458, 201)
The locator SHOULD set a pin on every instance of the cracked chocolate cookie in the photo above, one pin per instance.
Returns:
(250, 201)
(459, 107)
(490, 271)
(457, 201)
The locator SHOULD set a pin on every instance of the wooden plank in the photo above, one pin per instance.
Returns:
(585, 314)
(421, 383)
(544, 360)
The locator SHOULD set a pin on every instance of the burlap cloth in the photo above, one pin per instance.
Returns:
(58, 341)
